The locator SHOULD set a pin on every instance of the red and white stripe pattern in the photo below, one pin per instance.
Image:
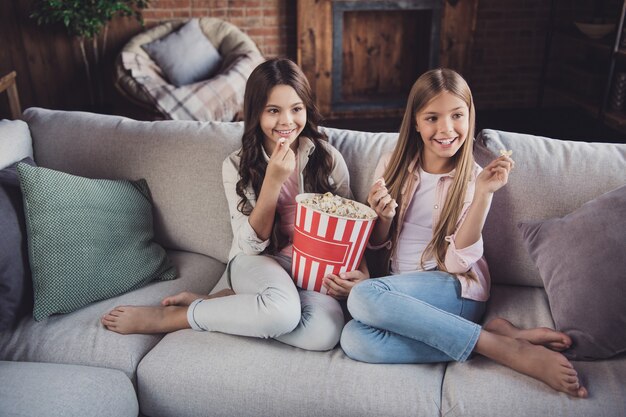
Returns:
(323, 244)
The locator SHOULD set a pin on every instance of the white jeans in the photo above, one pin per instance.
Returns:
(268, 304)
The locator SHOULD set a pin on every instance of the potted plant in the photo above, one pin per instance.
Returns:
(84, 20)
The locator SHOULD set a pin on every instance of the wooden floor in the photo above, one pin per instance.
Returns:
(560, 123)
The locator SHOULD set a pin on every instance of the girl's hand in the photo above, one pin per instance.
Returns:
(282, 163)
(495, 175)
(380, 200)
(339, 287)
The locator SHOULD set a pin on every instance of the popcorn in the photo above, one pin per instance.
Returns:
(336, 205)
(329, 237)
(504, 152)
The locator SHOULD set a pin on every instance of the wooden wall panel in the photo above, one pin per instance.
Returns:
(11, 56)
(392, 45)
(313, 51)
(49, 66)
(457, 34)
(377, 33)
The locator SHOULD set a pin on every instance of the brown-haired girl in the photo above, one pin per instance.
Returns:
(282, 154)
(427, 309)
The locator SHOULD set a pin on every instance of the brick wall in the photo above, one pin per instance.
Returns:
(270, 23)
(509, 46)
(509, 42)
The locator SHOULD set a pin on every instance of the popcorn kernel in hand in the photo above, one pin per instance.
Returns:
(504, 152)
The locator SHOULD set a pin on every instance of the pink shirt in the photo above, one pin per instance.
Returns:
(286, 207)
(456, 260)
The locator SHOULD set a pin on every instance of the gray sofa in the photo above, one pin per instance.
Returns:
(189, 373)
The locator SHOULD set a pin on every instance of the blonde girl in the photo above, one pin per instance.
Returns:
(432, 200)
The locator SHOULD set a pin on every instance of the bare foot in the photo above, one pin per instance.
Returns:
(222, 293)
(549, 367)
(145, 320)
(544, 336)
(185, 298)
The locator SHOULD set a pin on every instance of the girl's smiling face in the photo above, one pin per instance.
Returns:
(284, 116)
(443, 125)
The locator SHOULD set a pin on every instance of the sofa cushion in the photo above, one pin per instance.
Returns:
(551, 179)
(190, 372)
(15, 142)
(484, 388)
(79, 337)
(181, 160)
(88, 239)
(481, 387)
(185, 56)
(581, 260)
(16, 288)
(55, 390)
(361, 151)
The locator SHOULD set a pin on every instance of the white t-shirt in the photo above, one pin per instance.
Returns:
(417, 229)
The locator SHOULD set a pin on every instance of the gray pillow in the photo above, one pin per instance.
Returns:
(16, 288)
(580, 258)
(185, 56)
(88, 239)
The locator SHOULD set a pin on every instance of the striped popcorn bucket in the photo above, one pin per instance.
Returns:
(326, 243)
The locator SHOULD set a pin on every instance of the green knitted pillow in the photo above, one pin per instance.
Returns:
(88, 239)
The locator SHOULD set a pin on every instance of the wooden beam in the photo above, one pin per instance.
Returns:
(8, 83)
(314, 54)
(457, 34)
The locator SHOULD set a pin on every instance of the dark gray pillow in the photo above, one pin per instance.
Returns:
(185, 56)
(16, 288)
(581, 259)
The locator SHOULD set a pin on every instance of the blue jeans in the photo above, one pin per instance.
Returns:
(417, 317)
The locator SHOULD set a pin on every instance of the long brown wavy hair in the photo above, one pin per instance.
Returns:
(266, 76)
(410, 146)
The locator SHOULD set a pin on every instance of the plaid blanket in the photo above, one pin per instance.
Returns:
(218, 99)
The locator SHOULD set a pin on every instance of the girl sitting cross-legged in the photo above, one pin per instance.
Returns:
(427, 310)
(283, 153)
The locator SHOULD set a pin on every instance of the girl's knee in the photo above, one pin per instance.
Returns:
(284, 322)
(319, 341)
(320, 324)
(361, 301)
(323, 328)
(355, 345)
(282, 312)
(347, 341)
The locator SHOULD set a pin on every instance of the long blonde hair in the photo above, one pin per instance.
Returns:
(409, 148)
